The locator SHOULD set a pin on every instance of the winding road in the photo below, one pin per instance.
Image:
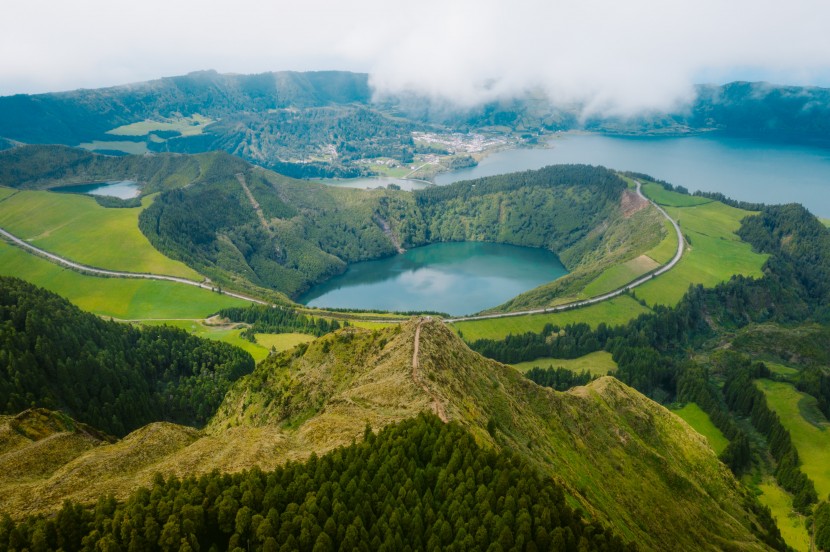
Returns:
(208, 286)
(599, 298)
(116, 273)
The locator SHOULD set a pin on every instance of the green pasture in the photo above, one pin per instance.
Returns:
(661, 196)
(780, 369)
(123, 298)
(714, 254)
(75, 226)
(613, 312)
(228, 334)
(700, 421)
(619, 275)
(790, 523)
(186, 126)
(665, 250)
(598, 363)
(809, 429)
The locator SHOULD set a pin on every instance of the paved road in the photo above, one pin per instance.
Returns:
(206, 285)
(604, 297)
(115, 273)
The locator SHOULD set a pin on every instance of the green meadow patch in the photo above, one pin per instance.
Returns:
(75, 226)
(613, 312)
(123, 298)
(598, 363)
(714, 254)
(791, 524)
(282, 342)
(664, 197)
(228, 334)
(693, 415)
(186, 126)
(810, 434)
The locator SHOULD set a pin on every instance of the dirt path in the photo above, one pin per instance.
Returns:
(437, 407)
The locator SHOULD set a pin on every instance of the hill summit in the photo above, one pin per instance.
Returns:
(627, 461)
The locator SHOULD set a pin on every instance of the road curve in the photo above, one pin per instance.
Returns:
(115, 273)
(599, 298)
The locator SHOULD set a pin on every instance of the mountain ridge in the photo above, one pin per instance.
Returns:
(619, 455)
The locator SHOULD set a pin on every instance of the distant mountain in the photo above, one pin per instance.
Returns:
(328, 124)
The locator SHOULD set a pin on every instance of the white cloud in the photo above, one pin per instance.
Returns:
(619, 56)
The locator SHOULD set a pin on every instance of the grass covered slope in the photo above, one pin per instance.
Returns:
(76, 227)
(626, 460)
(122, 298)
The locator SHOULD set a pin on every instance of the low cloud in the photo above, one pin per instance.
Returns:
(613, 57)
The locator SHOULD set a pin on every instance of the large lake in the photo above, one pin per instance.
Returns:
(456, 278)
(741, 169)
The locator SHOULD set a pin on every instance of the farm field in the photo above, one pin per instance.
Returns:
(715, 252)
(282, 342)
(123, 298)
(598, 363)
(809, 429)
(76, 227)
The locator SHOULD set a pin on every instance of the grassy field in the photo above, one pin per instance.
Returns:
(76, 227)
(825, 222)
(371, 324)
(618, 310)
(715, 252)
(619, 275)
(217, 333)
(127, 299)
(660, 195)
(701, 423)
(780, 369)
(809, 430)
(134, 148)
(187, 126)
(598, 363)
(665, 251)
(789, 522)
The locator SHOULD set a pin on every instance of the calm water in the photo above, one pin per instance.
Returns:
(124, 189)
(377, 182)
(456, 278)
(741, 169)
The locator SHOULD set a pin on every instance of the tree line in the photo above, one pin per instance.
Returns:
(417, 485)
(113, 376)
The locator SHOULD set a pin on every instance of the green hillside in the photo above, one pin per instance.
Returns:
(627, 461)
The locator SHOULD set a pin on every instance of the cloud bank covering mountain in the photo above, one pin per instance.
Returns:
(617, 58)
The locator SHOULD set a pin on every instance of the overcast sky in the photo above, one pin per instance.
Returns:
(619, 55)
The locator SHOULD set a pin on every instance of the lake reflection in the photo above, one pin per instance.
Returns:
(456, 278)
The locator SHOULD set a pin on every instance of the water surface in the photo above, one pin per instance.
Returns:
(122, 189)
(456, 278)
(742, 169)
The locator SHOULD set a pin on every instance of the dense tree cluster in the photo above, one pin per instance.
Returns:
(419, 485)
(265, 319)
(113, 376)
(558, 378)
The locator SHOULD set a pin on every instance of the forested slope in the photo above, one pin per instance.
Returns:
(113, 376)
